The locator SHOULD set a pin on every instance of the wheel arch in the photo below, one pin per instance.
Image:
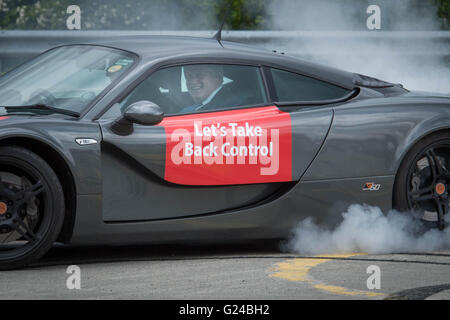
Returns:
(63, 172)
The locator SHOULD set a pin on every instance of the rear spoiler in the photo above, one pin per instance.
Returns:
(369, 82)
(384, 87)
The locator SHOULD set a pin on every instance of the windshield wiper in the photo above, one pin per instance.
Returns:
(42, 107)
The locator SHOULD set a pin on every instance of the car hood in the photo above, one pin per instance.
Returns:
(9, 117)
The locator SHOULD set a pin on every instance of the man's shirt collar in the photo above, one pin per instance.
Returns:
(212, 95)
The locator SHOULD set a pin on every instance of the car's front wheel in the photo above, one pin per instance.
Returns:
(31, 207)
(423, 181)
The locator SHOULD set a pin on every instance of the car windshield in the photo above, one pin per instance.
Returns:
(67, 78)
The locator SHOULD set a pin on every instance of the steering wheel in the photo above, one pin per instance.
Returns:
(42, 96)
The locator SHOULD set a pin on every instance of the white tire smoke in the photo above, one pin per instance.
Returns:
(367, 229)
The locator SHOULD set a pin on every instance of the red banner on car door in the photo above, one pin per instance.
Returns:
(243, 146)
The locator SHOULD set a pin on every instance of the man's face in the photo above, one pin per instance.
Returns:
(202, 80)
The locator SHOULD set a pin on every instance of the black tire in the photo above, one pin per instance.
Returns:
(403, 198)
(50, 207)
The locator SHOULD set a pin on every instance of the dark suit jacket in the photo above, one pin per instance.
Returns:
(225, 98)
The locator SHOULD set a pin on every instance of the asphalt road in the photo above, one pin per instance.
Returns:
(240, 271)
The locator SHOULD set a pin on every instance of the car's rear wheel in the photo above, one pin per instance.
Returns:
(31, 207)
(423, 181)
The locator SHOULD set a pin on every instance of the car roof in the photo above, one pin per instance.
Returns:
(151, 48)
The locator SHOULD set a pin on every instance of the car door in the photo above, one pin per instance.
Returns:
(221, 146)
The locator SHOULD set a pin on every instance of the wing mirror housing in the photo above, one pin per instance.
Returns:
(143, 112)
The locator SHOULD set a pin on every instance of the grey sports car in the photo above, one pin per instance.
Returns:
(161, 139)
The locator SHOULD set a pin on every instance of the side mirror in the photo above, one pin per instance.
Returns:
(145, 113)
(142, 112)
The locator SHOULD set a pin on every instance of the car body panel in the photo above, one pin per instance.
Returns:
(274, 219)
(364, 142)
(60, 134)
(135, 166)
(131, 192)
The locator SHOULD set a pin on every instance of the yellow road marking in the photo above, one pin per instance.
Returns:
(298, 270)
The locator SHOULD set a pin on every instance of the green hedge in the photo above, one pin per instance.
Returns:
(166, 14)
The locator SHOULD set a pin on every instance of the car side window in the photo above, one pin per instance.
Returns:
(198, 88)
(291, 86)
